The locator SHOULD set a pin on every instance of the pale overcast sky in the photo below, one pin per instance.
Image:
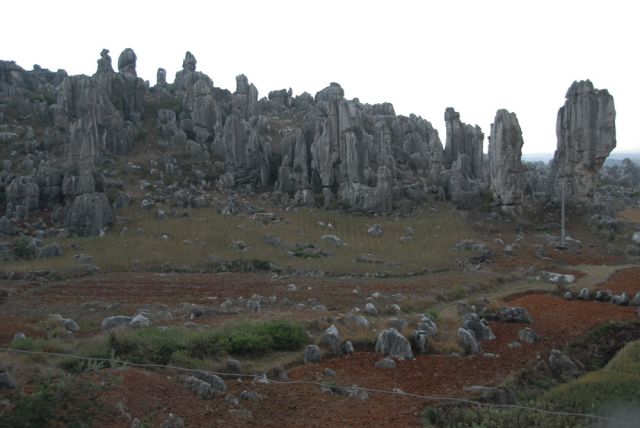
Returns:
(422, 56)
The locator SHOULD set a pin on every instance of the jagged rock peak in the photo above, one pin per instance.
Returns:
(505, 154)
(161, 77)
(586, 132)
(189, 63)
(127, 62)
(463, 139)
(242, 84)
(333, 92)
(104, 63)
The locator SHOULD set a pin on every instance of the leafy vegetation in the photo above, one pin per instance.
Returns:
(178, 345)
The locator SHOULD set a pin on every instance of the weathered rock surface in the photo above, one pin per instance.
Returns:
(586, 132)
(392, 343)
(505, 166)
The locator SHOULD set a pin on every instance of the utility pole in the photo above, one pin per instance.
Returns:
(563, 235)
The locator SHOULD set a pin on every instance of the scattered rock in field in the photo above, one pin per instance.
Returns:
(636, 237)
(51, 250)
(394, 309)
(516, 314)
(312, 354)
(514, 345)
(603, 295)
(357, 393)
(558, 278)
(234, 366)
(253, 306)
(392, 343)
(483, 253)
(218, 386)
(173, 421)
(250, 396)
(19, 336)
(347, 348)
(292, 287)
(6, 381)
(319, 308)
(329, 372)
(199, 387)
(584, 294)
(479, 327)
(420, 343)
(331, 339)
(621, 299)
(70, 325)
(562, 366)
(115, 321)
(300, 306)
(405, 239)
(239, 245)
(370, 309)
(357, 321)
(568, 295)
(468, 342)
(486, 394)
(139, 321)
(369, 258)
(375, 231)
(428, 325)
(333, 240)
(397, 323)
(386, 363)
(147, 204)
(409, 230)
(636, 300)
(527, 335)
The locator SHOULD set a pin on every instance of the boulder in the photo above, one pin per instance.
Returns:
(370, 309)
(375, 231)
(312, 354)
(218, 386)
(584, 294)
(70, 325)
(386, 363)
(51, 250)
(331, 339)
(479, 326)
(89, 215)
(115, 321)
(562, 366)
(392, 343)
(347, 348)
(139, 321)
(6, 381)
(527, 335)
(468, 342)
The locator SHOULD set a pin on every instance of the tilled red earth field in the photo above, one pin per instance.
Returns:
(152, 395)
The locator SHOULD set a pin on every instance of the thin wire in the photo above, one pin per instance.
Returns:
(324, 385)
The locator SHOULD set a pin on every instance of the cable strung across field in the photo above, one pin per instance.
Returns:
(266, 381)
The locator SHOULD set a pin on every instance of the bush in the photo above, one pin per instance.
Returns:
(174, 344)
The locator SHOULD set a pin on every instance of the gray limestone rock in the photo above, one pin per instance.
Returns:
(386, 363)
(463, 139)
(479, 326)
(312, 354)
(89, 214)
(527, 335)
(586, 132)
(392, 343)
(468, 342)
(6, 381)
(115, 321)
(505, 166)
(562, 366)
(331, 339)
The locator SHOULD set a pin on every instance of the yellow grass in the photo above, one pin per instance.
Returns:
(191, 240)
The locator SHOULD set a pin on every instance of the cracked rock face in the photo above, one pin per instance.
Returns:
(586, 131)
(505, 166)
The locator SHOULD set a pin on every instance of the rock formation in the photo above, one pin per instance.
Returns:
(505, 166)
(586, 131)
(463, 139)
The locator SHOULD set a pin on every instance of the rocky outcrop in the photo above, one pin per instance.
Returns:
(586, 132)
(463, 139)
(89, 214)
(505, 166)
